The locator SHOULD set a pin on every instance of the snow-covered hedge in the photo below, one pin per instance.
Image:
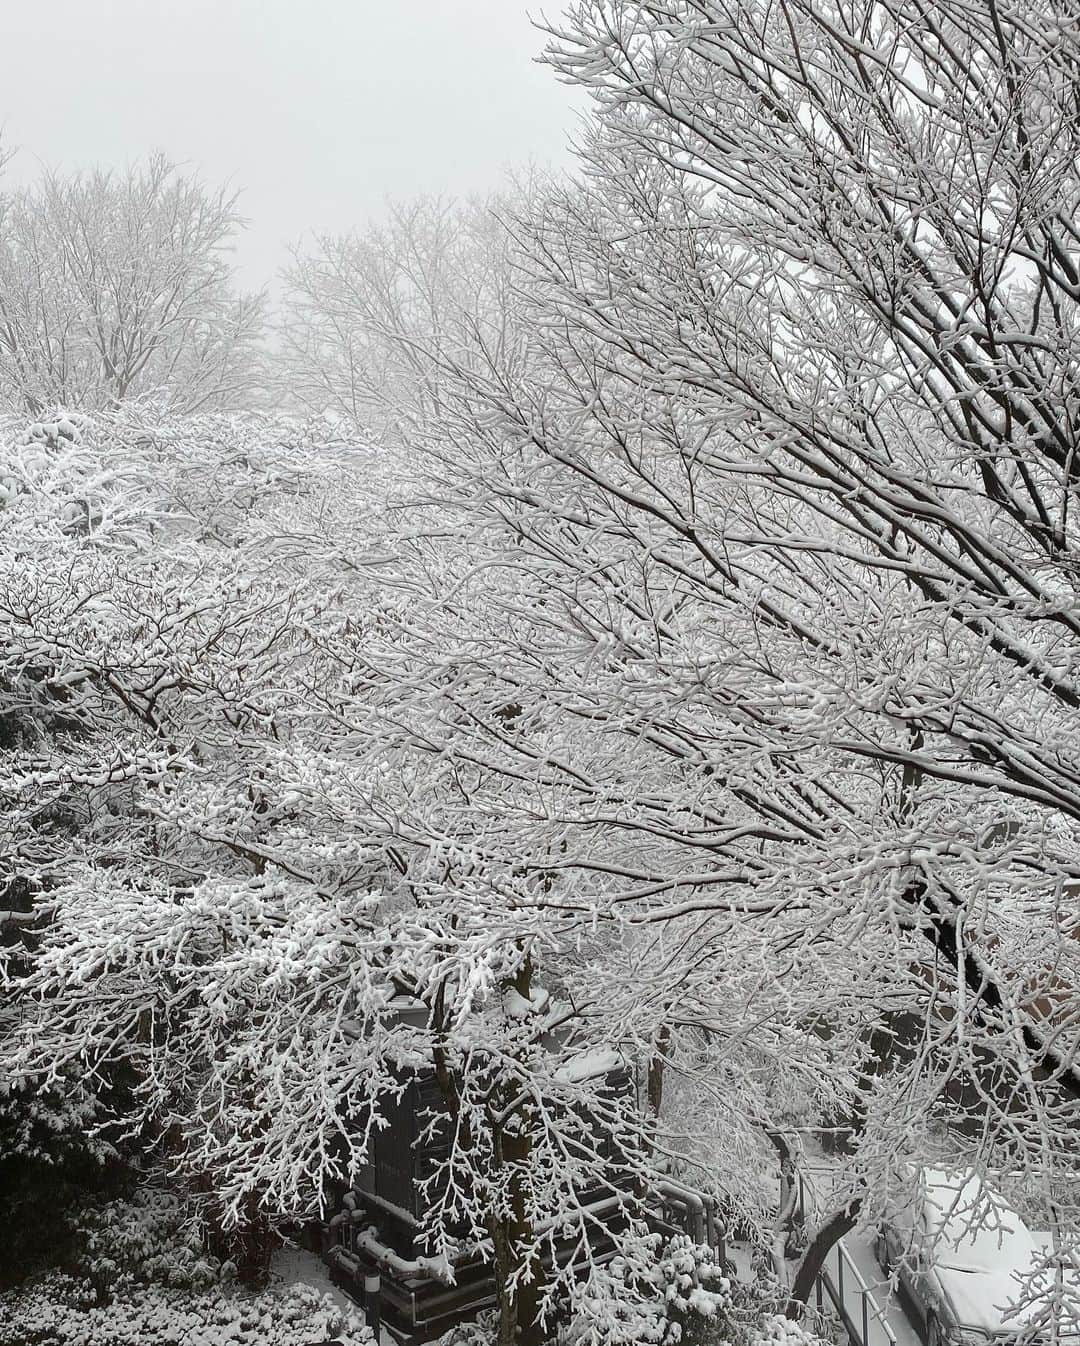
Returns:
(142, 1278)
(780, 1331)
(59, 1310)
(149, 1239)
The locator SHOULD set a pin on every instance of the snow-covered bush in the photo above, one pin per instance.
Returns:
(777, 1330)
(149, 1239)
(58, 1310)
(481, 1332)
(666, 1294)
(52, 1162)
(140, 1277)
(691, 1316)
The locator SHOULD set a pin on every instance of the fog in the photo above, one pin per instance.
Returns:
(317, 111)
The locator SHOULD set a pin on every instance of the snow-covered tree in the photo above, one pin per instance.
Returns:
(772, 468)
(809, 354)
(261, 855)
(150, 587)
(115, 285)
(361, 312)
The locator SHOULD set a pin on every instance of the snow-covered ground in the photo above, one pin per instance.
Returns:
(296, 1265)
(292, 1265)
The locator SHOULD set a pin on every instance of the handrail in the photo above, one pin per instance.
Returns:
(866, 1296)
(857, 1329)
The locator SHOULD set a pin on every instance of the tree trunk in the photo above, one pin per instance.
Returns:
(785, 1216)
(504, 1264)
(813, 1259)
(516, 1148)
(654, 1082)
(519, 1308)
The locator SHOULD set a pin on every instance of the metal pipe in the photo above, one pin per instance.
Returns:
(372, 1306)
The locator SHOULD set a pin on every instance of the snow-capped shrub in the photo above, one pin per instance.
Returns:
(151, 1238)
(52, 1161)
(777, 1330)
(65, 427)
(663, 1294)
(483, 1332)
(58, 1311)
(140, 1277)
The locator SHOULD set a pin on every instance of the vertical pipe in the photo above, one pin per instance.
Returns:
(372, 1307)
(865, 1324)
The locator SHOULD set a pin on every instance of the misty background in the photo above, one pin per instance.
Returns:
(318, 112)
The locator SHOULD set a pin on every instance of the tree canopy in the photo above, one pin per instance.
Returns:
(661, 650)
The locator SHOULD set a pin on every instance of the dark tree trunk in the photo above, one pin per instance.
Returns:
(785, 1216)
(519, 1307)
(942, 932)
(813, 1259)
(654, 1083)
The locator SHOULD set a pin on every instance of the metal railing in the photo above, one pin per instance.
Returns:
(863, 1317)
(842, 1282)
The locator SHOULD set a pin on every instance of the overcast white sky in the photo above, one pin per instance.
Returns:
(318, 109)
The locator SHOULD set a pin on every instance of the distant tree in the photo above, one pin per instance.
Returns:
(115, 285)
(361, 312)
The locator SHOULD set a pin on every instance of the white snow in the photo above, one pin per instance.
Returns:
(588, 1066)
(296, 1265)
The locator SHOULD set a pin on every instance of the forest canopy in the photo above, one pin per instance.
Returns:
(633, 619)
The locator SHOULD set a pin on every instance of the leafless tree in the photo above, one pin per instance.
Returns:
(115, 285)
(362, 312)
(781, 442)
